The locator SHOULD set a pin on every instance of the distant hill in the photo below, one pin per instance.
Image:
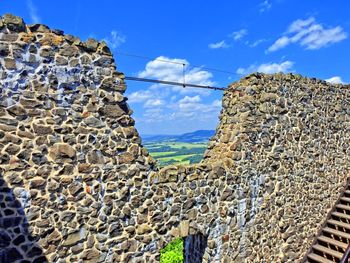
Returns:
(196, 136)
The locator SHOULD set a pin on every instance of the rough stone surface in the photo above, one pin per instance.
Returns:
(76, 185)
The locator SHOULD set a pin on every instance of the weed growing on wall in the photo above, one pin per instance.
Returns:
(173, 252)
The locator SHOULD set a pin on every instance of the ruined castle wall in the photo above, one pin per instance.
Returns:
(76, 185)
(292, 134)
(283, 144)
(70, 154)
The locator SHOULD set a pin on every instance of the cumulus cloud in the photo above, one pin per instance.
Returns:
(139, 96)
(238, 35)
(264, 6)
(115, 39)
(335, 80)
(153, 115)
(173, 71)
(151, 103)
(196, 105)
(160, 95)
(189, 103)
(33, 12)
(193, 108)
(221, 44)
(309, 34)
(269, 68)
(279, 43)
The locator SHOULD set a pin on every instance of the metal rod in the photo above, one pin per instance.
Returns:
(173, 83)
(346, 255)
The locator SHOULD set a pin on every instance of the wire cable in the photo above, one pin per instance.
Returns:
(173, 83)
(175, 62)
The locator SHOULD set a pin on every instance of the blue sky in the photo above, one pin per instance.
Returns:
(306, 37)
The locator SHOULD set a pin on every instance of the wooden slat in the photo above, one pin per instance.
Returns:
(318, 258)
(328, 251)
(332, 241)
(342, 215)
(338, 223)
(336, 232)
(346, 199)
(347, 192)
(344, 207)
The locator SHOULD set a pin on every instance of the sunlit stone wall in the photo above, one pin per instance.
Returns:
(271, 173)
(70, 154)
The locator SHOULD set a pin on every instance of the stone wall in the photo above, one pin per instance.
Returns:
(69, 150)
(77, 185)
(282, 147)
(291, 134)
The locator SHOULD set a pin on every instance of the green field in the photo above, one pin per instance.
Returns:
(167, 153)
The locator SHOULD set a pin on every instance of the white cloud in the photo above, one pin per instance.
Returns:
(257, 42)
(243, 71)
(153, 115)
(269, 68)
(221, 44)
(115, 39)
(193, 108)
(190, 103)
(300, 24)
(173, 71)
(139, 96)
(152, 103)
(280, 43)
(188, 99)
(275, 67)
(264, 6)
(217, 103)
(33, 12)
(238, 35)
(309, 34)
(335, 80)
(195, 104)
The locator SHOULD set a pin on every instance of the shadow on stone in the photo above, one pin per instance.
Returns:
(16, 242)
(194, 248)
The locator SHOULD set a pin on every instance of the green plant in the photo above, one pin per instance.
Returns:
(173, 252)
